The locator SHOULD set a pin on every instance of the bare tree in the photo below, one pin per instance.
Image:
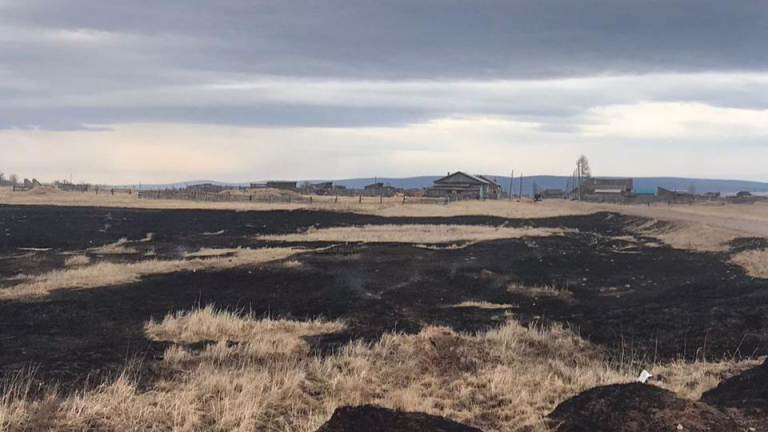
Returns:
(583, 166)
(14, 179)
(582, 172)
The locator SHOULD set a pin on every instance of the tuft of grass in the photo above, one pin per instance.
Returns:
(77, 261)
(754, 262)
(116, 248)
(482, 305)
(209, 324)
(540, 291)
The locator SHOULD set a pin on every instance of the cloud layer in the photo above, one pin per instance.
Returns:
(684, 76)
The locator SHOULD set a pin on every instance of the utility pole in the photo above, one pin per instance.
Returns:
(521, 186)
(511, 179)
(578, 173)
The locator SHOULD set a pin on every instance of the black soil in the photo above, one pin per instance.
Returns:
(744, 396)
(629, 296)
(374, 419)
(636, 408)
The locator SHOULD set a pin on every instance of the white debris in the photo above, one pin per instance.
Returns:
(644, 376)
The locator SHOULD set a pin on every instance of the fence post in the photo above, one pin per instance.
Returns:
(250, 198)
(289, 199)
(310, 200)
(403, 199)
(360, 201)
(336, 200)
(113, 191)
(381, 199)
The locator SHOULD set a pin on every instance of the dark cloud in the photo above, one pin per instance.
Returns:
(65, 48)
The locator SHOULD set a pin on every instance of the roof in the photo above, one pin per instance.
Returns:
(609, 191)
(608, 182)
(478, 179)
(492, 182)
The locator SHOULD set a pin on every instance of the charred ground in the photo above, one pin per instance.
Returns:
(627, 293)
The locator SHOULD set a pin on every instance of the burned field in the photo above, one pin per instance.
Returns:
(640, 301)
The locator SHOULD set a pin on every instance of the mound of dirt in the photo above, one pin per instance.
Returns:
(636, 408)
(375, 419)
(745, 396)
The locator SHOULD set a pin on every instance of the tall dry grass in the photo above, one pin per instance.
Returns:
(260, 375)
(415, 234)
(754, 262)
(108, 274)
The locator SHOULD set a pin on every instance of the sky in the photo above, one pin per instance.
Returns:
(154, 91)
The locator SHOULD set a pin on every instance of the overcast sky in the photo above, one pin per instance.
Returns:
(170, 90)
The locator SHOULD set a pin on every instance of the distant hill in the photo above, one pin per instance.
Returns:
(543, 181)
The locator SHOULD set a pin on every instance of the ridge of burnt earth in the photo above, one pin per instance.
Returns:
(375, 419)
(176, 232)
(636, 408)
(742, 244)
(77, 228)
(744, 397)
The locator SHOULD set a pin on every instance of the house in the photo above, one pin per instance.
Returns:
(463, 185)
(323, 185)
(675, 195)
(608, 186)
(550, 194)
(322, 188)
(744, 194)
(206, 187)
(379, 189)
(282, 185)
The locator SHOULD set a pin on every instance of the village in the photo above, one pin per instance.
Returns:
(455, 186)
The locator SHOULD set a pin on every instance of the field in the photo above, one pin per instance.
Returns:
(121, 314)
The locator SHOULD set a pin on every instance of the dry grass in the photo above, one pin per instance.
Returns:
(211, 253)
(116, 248)
(77, 261)
(416, 234)
(388, 207)
(208, 324)
(268, 381)
(688, 235)
(108, 274)
(541, 291)
(755, 262)
(482, 305)
(691, 380)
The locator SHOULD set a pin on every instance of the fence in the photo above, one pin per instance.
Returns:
(220, 197)
(187, 195)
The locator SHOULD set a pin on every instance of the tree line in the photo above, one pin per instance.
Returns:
(11, 180)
